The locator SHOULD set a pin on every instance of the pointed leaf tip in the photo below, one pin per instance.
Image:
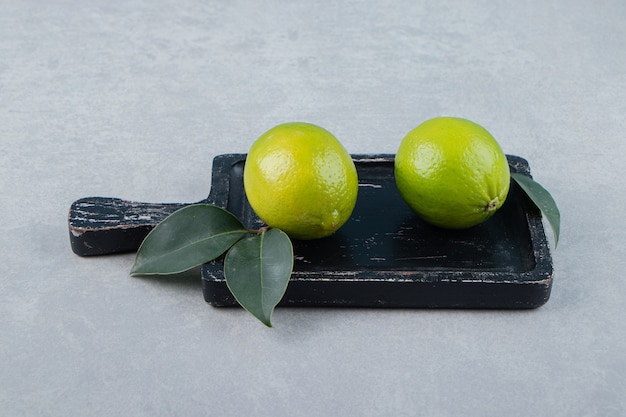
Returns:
(257, 271)
(543, 200)
(187, 238)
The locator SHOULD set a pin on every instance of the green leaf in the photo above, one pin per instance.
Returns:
(187, 238)
(543, 200)
(257, 271)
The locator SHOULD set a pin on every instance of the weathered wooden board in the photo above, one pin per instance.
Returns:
(384, 256)
(106, 226)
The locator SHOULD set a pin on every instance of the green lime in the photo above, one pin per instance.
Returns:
(300, 179)
(452, 172)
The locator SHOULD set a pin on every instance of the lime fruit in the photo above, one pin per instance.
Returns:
(300, 179)
(452, 172)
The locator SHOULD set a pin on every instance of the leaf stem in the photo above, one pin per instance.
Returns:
(259, 231)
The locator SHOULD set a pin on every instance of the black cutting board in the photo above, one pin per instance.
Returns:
(384, 256)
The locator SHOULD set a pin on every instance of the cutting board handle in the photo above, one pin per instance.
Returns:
(103, 226)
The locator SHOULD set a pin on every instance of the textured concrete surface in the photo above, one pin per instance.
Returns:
(133, 99)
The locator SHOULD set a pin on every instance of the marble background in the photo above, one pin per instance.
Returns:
(134, 98)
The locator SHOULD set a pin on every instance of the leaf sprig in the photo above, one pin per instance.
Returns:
(543, 200)
(257, 268)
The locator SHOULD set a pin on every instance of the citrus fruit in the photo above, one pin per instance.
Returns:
(300, 179)
(452, 172)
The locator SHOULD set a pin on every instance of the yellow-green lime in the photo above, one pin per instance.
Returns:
(300, 179)
(452, 172)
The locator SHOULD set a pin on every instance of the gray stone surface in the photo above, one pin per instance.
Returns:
(133, 99)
